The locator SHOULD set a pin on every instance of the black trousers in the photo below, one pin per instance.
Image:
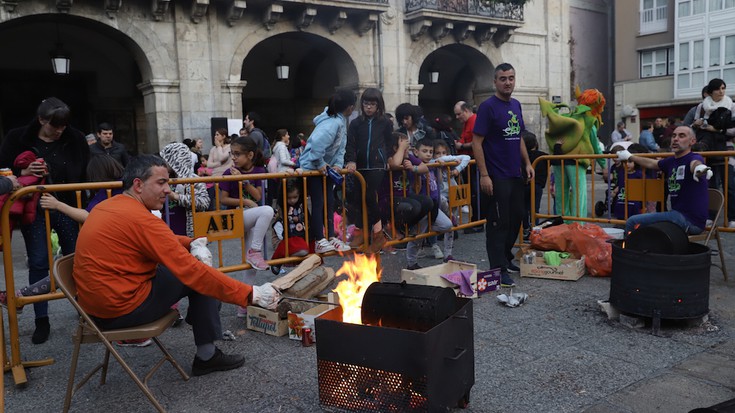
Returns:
(504, 215)
(203, 313)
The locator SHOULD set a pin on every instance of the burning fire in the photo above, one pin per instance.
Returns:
(361, 272)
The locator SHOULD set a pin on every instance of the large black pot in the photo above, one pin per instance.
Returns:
(660, 285)
(407, 306)
(658, 238)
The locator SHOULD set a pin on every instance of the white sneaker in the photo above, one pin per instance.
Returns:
(323, 246)
(438, 254)
(421, 253)
(338, 245)
(465, 209)
(708, 223)
(731, 224)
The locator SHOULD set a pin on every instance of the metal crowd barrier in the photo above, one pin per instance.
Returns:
(652, 188)
(218, 226)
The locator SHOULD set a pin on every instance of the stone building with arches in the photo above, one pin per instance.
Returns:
(160, 70)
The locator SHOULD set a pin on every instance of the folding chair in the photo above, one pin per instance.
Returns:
(88, 332)
(716, 205)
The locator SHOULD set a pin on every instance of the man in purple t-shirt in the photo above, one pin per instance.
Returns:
(687, 192)
(500, 154)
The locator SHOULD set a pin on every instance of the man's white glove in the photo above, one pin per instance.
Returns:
(266, 296)
(624, 155)
(700, 170)
(199, 250)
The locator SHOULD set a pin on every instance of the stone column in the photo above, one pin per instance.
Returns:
(232, 97)
(162, 114)
(412, 92)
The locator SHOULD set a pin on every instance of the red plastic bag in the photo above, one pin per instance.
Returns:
(580, 240)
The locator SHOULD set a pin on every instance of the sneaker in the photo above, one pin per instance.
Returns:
(300, 253)
(242, 312)
(465, 209)
(438, 254)
(138, 342)
(323, 246)
(448, 258)
(731, 224)
(414, 267)
(339, 245)
(709, 223)
(256, 260)
(4, 301)
(421, 253)
(513, 268)
(506, 281)
(219, 362)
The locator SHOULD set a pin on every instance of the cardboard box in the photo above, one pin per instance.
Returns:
(570, 269)
(488, 281)
(266, 321)
(296, 322)
(433, 276)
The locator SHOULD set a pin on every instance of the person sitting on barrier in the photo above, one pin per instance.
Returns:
(408, 206)
(683, 175)
(145, 268)
(180, 217)
(446, 176)
(424, 181)
(248, 159)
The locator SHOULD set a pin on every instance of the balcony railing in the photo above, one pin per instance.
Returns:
(482, 8)
(654, 20)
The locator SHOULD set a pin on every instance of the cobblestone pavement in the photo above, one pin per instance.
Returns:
(556, 353)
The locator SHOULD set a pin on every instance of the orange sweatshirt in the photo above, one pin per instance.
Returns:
(118, 249)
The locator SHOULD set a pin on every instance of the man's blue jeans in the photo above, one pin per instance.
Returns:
(671, 216)
(34, 235)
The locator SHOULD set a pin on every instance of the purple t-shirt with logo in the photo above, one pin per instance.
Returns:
(501, 123)
(232, 186)
(687, 195)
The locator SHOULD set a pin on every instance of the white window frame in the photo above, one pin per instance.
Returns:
(654, 19)
(659, 57)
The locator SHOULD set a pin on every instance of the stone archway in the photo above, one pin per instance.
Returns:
(464, 74)
(106, 65)
(318, 66)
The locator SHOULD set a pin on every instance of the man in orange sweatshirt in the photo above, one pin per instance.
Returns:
(130, 268)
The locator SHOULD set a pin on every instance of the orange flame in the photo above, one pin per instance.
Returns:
(361, 272)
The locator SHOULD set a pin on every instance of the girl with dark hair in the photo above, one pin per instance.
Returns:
(248, 159)
(410, 118)
(219, 156)
(326, 148)
(442, 125)
(366, 151)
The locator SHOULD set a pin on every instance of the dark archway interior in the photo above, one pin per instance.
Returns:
(318, 67)
(462, 71)
(101, 86)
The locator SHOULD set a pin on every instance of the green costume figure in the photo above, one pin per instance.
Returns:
(577, 133)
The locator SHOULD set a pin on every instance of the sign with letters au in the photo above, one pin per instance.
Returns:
(219, 225)
(459, 195)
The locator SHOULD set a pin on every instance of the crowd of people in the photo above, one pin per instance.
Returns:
(146, 228)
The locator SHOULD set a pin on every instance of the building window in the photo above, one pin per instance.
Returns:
(685, 8)
(684, 56)
(657, 62)
(699, 6)
(654, 16)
